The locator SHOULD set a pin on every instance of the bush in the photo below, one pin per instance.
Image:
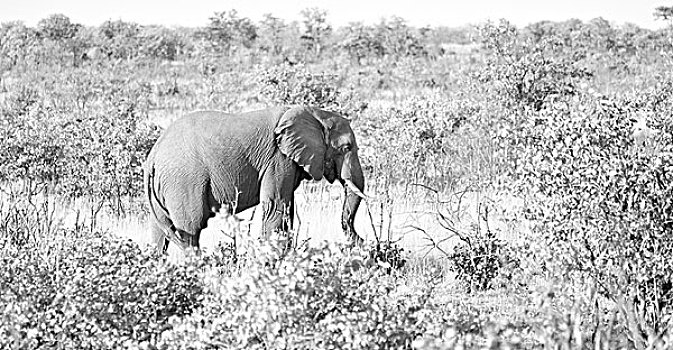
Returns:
(526, 72)
(602, 203)
(90, 291)
(88, 137)
(478, 260)
(296, 85)
(387, 255)
(317, 298)
(426, 139)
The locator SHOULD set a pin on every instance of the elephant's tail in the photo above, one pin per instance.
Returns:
(162, 217)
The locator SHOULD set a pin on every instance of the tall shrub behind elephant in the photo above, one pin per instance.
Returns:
(208, 159)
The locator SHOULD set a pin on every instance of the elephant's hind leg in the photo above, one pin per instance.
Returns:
(158, 237)
(189, 213)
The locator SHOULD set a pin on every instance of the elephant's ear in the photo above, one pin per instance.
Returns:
(301, 135)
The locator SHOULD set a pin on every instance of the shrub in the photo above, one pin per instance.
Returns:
(601, 203)
(296, 85)
(27, 217)
(317, 298)
(90, 291)
(18, 44)
(88, 137)
(426, 139)
(160, 43)
(527, 72)
(28, 150)
(387, 255)
(479, 259)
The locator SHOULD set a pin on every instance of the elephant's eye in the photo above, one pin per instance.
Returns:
(345, 148)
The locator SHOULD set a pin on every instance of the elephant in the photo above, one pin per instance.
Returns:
(209, 159)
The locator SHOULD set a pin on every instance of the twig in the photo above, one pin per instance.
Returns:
(435, 244)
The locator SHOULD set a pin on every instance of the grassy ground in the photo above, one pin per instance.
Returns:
(446, 130)
(469, 317)
(414, 223)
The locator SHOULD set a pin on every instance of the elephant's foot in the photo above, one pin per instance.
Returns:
(276, 216)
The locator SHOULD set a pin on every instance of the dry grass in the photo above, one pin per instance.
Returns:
(397, 216)
(412, 221)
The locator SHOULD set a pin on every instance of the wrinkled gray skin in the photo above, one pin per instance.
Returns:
(209, 159)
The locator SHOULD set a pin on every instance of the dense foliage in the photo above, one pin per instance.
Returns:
(315, 298)
(603, 202)
(88, 137)
(90, 291)
(573, 119)
(600, 182)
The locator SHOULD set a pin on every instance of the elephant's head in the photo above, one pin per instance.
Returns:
(323, 144)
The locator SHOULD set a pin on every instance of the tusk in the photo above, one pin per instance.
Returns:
(356, 190)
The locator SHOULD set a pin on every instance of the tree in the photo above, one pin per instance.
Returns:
(120, 39)
(360, 42)
(663, 12)
(58, 29)
(227, 32)
(17, 43)
(603, 36)
(398, 39)
(630, 37)
(162, 43)
(539, 30)
(316, 30)
(271, 34)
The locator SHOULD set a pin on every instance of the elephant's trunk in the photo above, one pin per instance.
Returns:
(351, 176)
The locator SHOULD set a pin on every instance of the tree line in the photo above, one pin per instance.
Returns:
(58, 40)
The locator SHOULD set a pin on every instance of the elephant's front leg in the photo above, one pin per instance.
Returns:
(276, 216)
(277, 199)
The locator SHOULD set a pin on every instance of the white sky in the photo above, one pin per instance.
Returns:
(417, 12)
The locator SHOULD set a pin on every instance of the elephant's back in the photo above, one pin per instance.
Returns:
(183, 145)
(214, 123)
(213, 130)
(216, 147)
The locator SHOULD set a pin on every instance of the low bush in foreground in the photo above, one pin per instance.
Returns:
(601, 204)
(317, 298)
(93, 290)
(90, 291)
